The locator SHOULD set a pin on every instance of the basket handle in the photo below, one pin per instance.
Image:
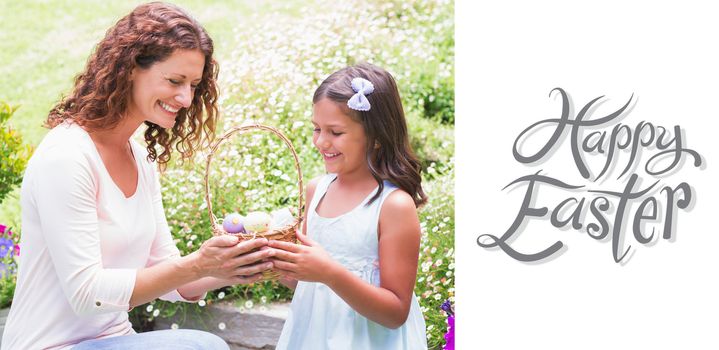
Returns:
(216, 230)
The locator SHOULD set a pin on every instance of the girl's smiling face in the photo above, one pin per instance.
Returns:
(160, 91)
(340, 139)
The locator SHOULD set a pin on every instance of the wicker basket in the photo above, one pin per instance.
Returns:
(285, 233)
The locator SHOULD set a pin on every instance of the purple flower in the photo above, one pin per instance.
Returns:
(447, 307)
(6, 247)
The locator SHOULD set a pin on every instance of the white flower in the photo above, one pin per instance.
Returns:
(221, 295)
(156, 313)
(201, 303)
(249, 304)
(221, 326)
(174, 326)
(149, 308)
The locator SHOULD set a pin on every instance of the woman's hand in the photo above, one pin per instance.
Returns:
(228, 258)
(306, 262)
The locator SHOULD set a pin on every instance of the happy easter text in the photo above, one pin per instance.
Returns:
(670, 149)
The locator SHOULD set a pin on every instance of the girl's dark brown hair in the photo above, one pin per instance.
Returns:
(148, 35)
(389, 154)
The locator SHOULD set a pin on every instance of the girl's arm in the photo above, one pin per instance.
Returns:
(399, 237)
(290, 282)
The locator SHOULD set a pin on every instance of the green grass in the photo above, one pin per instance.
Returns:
(44, 44)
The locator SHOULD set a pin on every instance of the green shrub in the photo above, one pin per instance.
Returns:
(435, 275)
(7, 289)
(13, 154)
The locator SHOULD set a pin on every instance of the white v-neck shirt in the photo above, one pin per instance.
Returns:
(82, 243)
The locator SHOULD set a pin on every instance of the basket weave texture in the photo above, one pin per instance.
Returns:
(285, 233)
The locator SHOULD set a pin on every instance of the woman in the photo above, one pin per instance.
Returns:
(95, 239)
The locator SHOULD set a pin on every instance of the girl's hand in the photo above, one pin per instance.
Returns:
(223, 257)
(306, 262)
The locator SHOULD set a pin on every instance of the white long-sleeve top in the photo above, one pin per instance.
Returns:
(82, 243)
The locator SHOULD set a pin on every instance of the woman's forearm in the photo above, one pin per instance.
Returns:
(195, 289)
(155, 281)
(221, 261)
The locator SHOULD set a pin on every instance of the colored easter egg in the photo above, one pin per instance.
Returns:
(257, 222)
(233, 223)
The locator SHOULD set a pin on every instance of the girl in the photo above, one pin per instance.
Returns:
(358, 262)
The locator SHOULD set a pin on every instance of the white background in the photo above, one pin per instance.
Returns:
(509, 56)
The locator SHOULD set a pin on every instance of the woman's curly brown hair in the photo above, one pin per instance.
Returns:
(149, 34)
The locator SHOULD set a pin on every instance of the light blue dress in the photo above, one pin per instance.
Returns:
(319, 319)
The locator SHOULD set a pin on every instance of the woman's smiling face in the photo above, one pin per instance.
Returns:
(340, 139)
(160, 91)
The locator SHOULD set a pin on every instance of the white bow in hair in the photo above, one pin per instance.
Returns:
(359, 101)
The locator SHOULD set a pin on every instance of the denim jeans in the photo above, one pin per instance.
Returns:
(175, 339)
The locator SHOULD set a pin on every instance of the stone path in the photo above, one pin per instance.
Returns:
(257, 328)
(3, 318)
